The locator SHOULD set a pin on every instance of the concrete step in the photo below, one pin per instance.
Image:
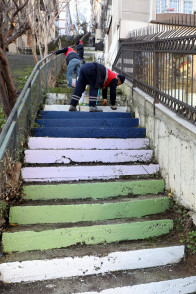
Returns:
(87, 143)
(83, 212)
(90, 265)
(88, 156)
(83, 108)
(79, 173)
(45, 237)
(120, 123)
(75, 114)
(90, 190)
(90, 132)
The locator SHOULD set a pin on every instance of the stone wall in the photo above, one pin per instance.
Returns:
(174, 142)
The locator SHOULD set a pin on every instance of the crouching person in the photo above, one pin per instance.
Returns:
(73, 63)
(96, 76)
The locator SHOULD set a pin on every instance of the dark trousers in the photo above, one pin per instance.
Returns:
(87, 76)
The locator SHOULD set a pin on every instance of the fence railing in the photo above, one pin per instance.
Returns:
(163, 64)
(18, 125)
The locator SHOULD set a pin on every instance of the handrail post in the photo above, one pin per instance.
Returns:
(15, 132)
(46, 81)
(39, 83)
(156, 74)
(29, 107)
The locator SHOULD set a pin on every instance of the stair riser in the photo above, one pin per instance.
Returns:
(182, 286)
(93, 190)
(80, 156)
(87, 143)
(86, 212)
(61, 238)
(93, 132)
(76, 115)
(36, 270)
(77, 173)
(122, 122)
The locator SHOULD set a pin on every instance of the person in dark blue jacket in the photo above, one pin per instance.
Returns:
(73, 63)
(97, 76)
(80, 50)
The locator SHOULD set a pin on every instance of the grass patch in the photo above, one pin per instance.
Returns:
(20, 77)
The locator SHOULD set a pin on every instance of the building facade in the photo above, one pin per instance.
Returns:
(176, 6)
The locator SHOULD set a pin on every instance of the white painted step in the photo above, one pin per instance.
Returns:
(37, 270)
(177, 286)
(56, 107)
(87, 143)
(102, 156)
(77, 173)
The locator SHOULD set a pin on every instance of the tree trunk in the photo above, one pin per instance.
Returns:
(7, 88)
(32, 43)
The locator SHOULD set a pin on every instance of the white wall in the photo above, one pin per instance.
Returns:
(174, 142)
(127, 15)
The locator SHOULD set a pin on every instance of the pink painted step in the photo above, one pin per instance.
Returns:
(77, 173)
(87, 143)
(104, 156)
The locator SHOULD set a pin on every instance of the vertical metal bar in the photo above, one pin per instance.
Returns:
(187, 82)
(192, 80)
(156, 73)
(183, 78)
(15, 135)
(29, 107)
(39, 84)
(46, 72)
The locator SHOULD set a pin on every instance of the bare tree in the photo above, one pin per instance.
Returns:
(13, 24)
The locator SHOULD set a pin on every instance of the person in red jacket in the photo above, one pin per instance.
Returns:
(73, 63)
(97, 76)
(80, 50)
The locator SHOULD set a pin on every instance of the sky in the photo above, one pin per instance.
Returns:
(83, 8)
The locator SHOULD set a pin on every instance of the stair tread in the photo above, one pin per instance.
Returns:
(80, 156)
(87, 143)
(92, 264)
(93, 190)
(76, 173)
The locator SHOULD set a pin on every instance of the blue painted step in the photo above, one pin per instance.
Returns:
(89, 132)
(102, 122)
(78, 114)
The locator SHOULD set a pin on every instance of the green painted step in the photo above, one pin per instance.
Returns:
(96, 234)
(49, 214)
(93, 190)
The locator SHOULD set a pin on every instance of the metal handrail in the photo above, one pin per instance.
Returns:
(11, 122)
(163, 67)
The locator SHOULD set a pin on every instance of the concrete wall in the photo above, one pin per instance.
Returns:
(174, 142)
(127, 15)
(135, 15)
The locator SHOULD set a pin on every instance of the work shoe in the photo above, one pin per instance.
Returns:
(95, 109)
(72, 108)
(113, 107)
(104, 102)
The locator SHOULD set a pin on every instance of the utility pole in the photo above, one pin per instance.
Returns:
(78, 22)
(68, 20)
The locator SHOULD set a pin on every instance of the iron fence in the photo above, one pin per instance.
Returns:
(21, 119)
(163, 64)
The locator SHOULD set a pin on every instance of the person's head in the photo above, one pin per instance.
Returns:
(121, 79)
(77, 41)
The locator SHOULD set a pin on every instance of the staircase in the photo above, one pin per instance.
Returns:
(93, 201)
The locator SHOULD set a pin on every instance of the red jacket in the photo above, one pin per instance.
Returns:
(110, 75)
(70, 50)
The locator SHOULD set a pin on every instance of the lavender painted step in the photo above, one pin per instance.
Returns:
(71, 156)
(95, 122)
(78, 173)
(87, 143)
(78, 114)
(89, 132)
